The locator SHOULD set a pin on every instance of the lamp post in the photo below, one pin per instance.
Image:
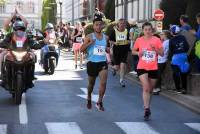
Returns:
(60, 2)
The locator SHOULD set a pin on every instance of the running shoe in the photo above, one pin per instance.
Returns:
(156, 91)
(81, 67)
(184, 91)
(147, 114)
(122, 84)
(99, 106)
(89, 104)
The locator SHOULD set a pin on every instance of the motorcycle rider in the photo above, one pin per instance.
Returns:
(47, 37)
(6, 43)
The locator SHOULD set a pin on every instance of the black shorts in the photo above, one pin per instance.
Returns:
(153, 74)
(93, 68)
(120, 54)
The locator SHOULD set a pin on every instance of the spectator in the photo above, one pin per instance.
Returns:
(197, 45)
(162, 60)
(134, 34)
(178, 48)
(184, 21)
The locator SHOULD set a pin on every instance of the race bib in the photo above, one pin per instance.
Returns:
(149, 56)
(19, 44)
(121, 37)
(79, 39)
(99, 50)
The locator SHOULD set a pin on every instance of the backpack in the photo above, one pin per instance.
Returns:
(197, 49)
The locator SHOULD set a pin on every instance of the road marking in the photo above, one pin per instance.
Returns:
(63, 128)
(195, 126)
(3, 129)
(136, 128)
(94, 97)
(23, 117)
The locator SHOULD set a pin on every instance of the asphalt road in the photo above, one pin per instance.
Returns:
(57, 105)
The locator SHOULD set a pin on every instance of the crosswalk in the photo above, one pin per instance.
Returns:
(3, 129)
(126, 127)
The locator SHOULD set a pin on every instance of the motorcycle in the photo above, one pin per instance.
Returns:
(17, 67)
(50, 53)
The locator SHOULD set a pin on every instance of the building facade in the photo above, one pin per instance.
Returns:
(30, 9)
(139, 10)
(81, 10)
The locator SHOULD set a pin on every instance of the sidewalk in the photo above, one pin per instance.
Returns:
(189, 101)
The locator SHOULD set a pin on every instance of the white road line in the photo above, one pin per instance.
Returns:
(23, 117)
(3, 129)
(136, 128)
(85, 90)
(94, 97)
(63, 128)
(195, 126)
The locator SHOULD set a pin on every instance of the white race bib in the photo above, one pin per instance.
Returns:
(99, 50)
(79, 39)
(121, 37)
(149, 56)
(19, 44)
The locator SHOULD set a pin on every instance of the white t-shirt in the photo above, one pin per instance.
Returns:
(163, 59)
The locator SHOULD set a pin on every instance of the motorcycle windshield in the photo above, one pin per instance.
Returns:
(19, 39)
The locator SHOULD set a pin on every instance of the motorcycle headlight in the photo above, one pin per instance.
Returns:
(19, 55)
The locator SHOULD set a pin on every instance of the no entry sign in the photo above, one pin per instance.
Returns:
(159, 15)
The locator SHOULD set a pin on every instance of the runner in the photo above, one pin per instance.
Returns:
(96, 45)
(120, 39)
(78, 40)
(147, 47)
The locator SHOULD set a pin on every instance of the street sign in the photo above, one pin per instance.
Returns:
(159, 26)
(159, 15)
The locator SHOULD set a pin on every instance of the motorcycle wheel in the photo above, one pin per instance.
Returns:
(52, 67)
(18, 92)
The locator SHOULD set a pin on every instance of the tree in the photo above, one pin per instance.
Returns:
(173, 10)
(48, 12)
(109, 9)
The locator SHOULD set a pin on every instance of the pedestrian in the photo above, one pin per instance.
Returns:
(134, 34)
(197, 44)
(147, 47)
(119, 38)
(77, 37)
(178, 48)
(162, 60)
(96, 45)
(184, 21)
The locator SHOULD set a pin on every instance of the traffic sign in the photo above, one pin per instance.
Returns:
(159, 26)
(159, 15)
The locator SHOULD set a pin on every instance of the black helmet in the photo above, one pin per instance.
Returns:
(19, 25)
(18, 18)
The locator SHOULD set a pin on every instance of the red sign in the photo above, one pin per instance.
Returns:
(159, 15)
